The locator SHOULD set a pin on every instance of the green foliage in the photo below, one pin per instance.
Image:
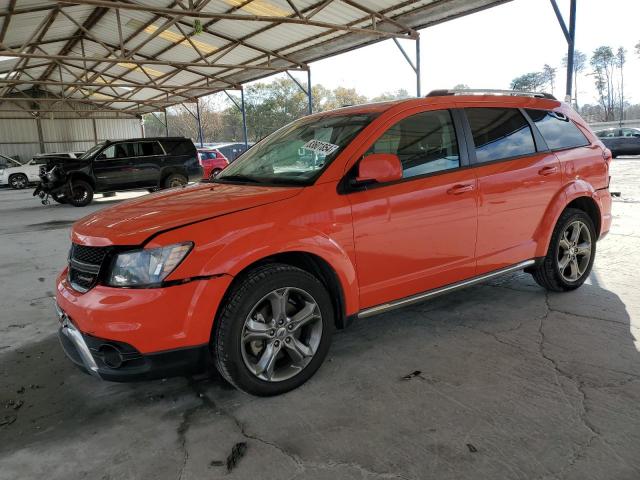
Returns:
(529, 82)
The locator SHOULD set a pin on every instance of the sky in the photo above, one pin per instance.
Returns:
(490, 48)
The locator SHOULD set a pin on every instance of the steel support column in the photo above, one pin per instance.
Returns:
(306, 91)
(309, 97)
(414, 66)
(166, 123)
(570, 35)
(242, 111)
(199, 122)
(244, 119)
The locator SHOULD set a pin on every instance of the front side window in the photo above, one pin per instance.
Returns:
(297, 153)
(499, 133)
(557, 130)
(425, 143)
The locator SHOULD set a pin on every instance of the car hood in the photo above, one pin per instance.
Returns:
(65, 163)
(134, 221)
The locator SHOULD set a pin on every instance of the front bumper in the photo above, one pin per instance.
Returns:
(136, 334)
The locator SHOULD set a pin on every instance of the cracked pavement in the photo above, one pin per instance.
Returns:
(514, 383)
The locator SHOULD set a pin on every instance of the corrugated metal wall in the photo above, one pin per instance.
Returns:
(19, 137)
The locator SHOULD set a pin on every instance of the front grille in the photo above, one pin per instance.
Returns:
(85, 264)
(91, 255)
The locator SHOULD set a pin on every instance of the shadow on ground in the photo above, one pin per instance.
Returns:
(503, 381)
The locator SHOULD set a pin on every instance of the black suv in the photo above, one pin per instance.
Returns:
(142, 163)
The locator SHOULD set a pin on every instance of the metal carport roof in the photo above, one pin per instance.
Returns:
(142, 56)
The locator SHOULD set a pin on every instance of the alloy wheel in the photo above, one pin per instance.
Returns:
(574, 251)
(281, 334)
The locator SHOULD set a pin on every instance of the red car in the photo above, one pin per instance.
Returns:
(341, 214)
(212, 162)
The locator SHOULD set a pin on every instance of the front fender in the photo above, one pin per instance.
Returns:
(231, 243)
(573, 190)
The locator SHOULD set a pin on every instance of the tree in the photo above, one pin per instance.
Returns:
(461, 86)
(529, 82)
(603, 63)
(549, 75)
(621, 59)
(388, 96)
(579, 65)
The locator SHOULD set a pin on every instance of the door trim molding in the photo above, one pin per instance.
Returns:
(369, 312)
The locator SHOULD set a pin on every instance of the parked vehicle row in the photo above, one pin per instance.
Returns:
(341, 214)
(134, 164)
(621, 141)
(212, 162)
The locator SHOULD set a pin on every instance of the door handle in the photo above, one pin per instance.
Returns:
(548, 170)
(458, 189)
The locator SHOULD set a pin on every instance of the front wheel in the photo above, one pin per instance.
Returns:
(81, 193)
(571, 253)
(18, 181)
(175, 180)
(274, 330)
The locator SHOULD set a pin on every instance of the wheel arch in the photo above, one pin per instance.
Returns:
(170, 170)
(311, 263)
(578, 194)
(82, 176)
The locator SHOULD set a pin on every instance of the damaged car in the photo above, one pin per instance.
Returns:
(112, 166)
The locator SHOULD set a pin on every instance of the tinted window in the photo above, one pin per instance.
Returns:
(630, 132)
(499, 133)
(558, 131)
(144, 149)
(178, 147)
(39, 161)
(425, 143)
(119, 150)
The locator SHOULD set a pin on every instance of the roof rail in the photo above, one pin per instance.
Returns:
(489, 91)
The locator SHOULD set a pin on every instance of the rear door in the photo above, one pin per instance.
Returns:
(517, 178)
(629, 141)
(148, 162)
(419, 233)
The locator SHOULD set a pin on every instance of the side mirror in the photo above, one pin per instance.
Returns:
(379, 168)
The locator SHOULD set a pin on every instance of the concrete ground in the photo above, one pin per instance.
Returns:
(499, 381)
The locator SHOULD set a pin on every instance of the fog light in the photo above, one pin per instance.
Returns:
(111, 356)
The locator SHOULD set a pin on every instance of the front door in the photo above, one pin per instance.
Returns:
(419, 233)
(113, 167)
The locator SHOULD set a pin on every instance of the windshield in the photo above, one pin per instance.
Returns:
(297, 153)
(89, 153)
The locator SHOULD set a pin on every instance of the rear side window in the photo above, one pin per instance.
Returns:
(145, 149)
(558, 130)
(425, 143)
(499, 133)
(179, 147)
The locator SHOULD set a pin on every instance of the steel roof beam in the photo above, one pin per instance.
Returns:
(234, 16)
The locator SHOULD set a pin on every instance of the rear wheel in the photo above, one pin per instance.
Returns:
(571, 253)
(81, 193)
(175, 180)
(214, 173)
(274, 330)
(18, 181)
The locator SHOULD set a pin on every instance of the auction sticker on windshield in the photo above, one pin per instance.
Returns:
(318, 146)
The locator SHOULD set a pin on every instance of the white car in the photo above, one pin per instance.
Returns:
(18, 175)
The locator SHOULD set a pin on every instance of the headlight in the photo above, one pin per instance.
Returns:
(146, 267)
(1, 171)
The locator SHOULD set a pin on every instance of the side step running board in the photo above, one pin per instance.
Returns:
(403, 302)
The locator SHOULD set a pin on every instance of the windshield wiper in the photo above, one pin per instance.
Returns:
(238, 178)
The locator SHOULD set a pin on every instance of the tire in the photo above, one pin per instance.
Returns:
(247, 312)
(214, 173)
(175, 180)
(18, 181)
(81, 194)
(59, 199)
(550, 273)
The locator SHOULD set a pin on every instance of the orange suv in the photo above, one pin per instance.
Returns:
(338, 215)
